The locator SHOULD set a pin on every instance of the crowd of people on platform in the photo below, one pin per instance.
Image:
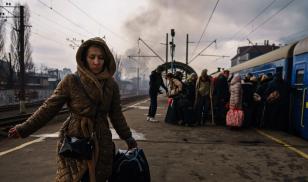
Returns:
(257, 101)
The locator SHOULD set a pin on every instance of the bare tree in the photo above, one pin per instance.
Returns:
(10, 72)
(29, 65)
(43, 69)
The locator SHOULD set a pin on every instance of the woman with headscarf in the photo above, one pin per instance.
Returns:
(202, 99)
(236, 93)
(92, 95)
(235, 104)
(173, 115)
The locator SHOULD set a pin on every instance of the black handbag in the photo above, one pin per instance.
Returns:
(77, 148)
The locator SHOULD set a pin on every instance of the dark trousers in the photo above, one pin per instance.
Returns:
(220, 112)
(153, 105)
(202, 107)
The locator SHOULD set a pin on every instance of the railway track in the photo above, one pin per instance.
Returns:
(16, 106)
(7, 122)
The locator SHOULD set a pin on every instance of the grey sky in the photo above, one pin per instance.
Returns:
(152, 19)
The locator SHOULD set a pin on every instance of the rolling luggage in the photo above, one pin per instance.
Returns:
(235, 118)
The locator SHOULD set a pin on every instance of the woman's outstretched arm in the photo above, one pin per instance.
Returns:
(45, 112)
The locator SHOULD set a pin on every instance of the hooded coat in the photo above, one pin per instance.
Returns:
(82, 121)
(236, 93)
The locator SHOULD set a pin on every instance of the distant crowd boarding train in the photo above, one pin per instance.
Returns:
(292, 62)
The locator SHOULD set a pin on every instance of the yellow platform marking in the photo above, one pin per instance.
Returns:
(22, 146)
(290, 147)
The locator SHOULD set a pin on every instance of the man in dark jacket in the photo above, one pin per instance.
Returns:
(277, 102)
(221, 97)
(156, 82)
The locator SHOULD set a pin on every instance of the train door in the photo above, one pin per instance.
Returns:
(300, 109)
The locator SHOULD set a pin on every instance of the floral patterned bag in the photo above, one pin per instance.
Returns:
(235, 117)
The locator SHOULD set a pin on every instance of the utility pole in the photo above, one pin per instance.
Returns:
(187, 41)
(172, 47)
(138, 80)
(167, 48)
(22, 96)
(167, 51)
(21, 54)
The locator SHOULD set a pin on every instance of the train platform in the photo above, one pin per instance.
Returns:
(175, 153)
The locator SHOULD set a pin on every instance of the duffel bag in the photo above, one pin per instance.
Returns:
(130, 165)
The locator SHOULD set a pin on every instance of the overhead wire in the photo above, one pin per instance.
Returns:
(47, 38)
(64, 17)
(7, 10)
(60, 25)
(253, 19)
(268, 19)
(96, 21)
(208, 22)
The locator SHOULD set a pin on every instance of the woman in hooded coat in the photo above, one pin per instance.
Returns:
(93, 81)
(236, 93)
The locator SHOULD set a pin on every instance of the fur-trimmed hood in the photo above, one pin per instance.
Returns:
(110, 66)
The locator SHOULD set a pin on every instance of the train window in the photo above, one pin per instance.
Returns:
(300, 76)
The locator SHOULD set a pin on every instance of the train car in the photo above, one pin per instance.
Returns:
(292, 62)
(279, 60)
(299, 84)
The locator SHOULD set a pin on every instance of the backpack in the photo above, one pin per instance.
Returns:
(130, 165)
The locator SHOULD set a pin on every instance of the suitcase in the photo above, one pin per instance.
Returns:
(235, 118)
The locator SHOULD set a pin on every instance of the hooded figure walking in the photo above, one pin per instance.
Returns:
(93, 81)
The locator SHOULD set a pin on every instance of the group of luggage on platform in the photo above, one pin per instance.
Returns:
(224, 100)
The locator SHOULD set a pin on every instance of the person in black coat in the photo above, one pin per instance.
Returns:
(247, 101)
(221, 97)
(156, 82)
(277, 102)
(261, 100)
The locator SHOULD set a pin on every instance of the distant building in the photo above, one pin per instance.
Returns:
(246, 53)
(55, 75)
(38, 85)
(64, 72)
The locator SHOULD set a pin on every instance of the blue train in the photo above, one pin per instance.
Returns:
(292, 62)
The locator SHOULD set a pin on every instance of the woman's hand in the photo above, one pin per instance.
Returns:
(131, 143)
(13, 133)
